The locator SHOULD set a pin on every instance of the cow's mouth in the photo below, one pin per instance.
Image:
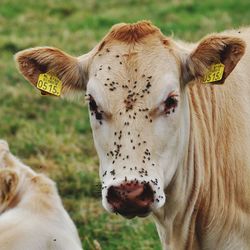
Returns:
(131, 199)
(131, 214)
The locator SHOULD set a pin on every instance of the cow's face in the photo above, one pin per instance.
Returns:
(134, 98)
(135, 82)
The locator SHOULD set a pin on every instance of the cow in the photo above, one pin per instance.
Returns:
(32, 216)
(170, 123)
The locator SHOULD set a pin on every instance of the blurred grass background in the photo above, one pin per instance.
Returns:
(54, 136)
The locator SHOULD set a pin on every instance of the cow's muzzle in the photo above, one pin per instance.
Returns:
(131, 199)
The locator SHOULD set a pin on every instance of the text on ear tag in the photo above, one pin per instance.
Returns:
(50, 84)
(215, 73)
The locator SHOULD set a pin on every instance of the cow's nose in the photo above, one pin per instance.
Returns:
(131, 199)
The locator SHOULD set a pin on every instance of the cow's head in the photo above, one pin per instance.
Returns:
(135, 82)
(19, 182)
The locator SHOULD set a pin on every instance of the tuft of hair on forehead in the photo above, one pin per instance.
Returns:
(131, 33)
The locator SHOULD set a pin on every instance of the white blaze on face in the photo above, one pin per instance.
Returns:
(134, 97)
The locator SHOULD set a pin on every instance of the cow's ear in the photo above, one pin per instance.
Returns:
(8, 184)
(72, 71)
(214, 49)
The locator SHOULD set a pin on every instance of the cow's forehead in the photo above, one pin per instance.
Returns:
(137, 71)
(133, 65)
(147, 55)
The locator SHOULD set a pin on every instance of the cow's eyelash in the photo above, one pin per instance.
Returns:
(92, 104)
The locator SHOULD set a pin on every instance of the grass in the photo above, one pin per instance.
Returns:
(54, 136)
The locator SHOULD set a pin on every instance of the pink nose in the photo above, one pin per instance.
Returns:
(131, 199)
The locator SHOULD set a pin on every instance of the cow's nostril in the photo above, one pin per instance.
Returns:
(147, 194)
(114, 195)
(130, 198)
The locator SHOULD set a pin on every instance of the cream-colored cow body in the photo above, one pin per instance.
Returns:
(167, 143)
(32, 216)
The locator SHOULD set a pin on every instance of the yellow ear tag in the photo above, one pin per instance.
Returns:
(215, 73)
(50, 84)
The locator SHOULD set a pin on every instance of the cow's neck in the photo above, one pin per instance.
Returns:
(204, 193)
(175, 220)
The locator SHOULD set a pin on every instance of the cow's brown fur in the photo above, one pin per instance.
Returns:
(32, 63)
(216, 49)
(132, 33)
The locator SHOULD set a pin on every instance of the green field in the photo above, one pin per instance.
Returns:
(53, 135)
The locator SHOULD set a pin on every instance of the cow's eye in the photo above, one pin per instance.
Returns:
(171, 102)
(92, 104)
(94, 108)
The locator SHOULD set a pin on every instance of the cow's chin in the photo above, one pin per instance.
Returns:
(131, 215)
